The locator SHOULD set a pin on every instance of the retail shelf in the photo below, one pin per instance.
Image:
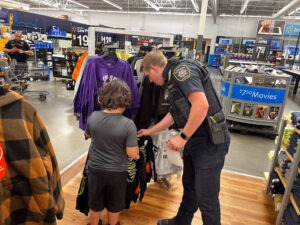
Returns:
(294, 203)
(284, 148)
(62, 37)
(251, 62)
(288, 182)
(290, 123)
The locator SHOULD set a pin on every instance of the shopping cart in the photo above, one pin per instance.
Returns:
(13, 78)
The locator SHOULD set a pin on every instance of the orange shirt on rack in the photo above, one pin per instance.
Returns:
(78, 65)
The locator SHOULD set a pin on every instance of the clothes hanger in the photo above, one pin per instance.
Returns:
(111, 54)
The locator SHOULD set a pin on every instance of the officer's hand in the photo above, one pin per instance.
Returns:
(144, 132)
(14, 49)
(20, 51)
(176, 143)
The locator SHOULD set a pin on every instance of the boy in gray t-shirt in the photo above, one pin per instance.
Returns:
(113, 138)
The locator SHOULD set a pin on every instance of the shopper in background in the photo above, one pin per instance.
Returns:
(191, 97)
(30, 189)
(113, 138)
(19, 50)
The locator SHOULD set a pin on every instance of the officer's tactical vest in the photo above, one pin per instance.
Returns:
(215, 122)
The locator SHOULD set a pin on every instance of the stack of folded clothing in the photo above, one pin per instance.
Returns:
(287, 135)
(294, 141)
(277, 187)
(290, 216)
(297, 178)
(296, 119)
(284, 162)
(296, 193)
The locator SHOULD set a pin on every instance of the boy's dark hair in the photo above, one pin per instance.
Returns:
(115, 94)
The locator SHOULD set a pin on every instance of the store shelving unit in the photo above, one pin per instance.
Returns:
(254, 102)
(228, 61)
(287, 183)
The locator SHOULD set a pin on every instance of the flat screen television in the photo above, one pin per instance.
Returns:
(291, 49)
(275, 44)
(248, 42)
(225, 41)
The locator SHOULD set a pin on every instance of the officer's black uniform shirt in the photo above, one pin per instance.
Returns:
(186, 76)
(20, 45)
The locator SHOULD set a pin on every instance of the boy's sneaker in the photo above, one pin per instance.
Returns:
(171, 221)
(100, 223)
(118, 223)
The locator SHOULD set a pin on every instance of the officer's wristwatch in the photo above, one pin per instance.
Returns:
(183, 136)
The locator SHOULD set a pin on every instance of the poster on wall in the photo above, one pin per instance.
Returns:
(3, 16)
(291, 30)
(270, 27)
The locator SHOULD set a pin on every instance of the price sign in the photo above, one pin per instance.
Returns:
(80, 37)
(249, 50)
(80, 40)
(260, 52)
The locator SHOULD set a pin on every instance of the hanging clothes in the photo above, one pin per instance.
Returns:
(31, 190)
(140, 171)
(77, 84)
(97, 72)
(79, 63)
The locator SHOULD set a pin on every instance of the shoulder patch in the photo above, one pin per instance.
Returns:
(182, 73)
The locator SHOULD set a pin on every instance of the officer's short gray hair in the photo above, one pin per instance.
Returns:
(153, 58)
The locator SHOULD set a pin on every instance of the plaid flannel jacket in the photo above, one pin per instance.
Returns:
(30, 191)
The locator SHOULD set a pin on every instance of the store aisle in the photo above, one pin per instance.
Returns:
(247, 154)
(243, 201)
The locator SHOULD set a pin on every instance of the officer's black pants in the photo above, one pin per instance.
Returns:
(203, 162)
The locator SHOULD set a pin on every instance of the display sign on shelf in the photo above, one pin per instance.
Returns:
(257, 94)
(260, 52)
(79, 36)
(111, 39)
(248, 50)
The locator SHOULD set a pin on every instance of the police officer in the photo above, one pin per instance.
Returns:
(192, 97)
(19, 50)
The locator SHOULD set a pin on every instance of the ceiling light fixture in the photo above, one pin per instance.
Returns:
(15, 5)
(294, 11)
(113, 4)
(152, 5)
(286, 8)
(18, 3)
(244, 6)
(78, 3)
(44, 2)
(196, 7)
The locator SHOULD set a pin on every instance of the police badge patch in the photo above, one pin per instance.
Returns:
(182, 73)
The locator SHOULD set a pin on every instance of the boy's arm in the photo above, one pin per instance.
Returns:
(133, 152)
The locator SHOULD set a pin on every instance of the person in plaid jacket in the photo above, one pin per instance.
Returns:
(30, 190)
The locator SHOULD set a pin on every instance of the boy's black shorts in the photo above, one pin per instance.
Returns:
(107, 190)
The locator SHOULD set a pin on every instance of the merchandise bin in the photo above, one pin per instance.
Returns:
(254, 102)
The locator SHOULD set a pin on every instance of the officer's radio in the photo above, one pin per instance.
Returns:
(217, 126)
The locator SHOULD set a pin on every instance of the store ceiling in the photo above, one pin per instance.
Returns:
(228, 7)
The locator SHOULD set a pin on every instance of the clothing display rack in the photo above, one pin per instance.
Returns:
(287, 180)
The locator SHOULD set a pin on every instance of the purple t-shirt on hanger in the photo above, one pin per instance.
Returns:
(97, 72)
